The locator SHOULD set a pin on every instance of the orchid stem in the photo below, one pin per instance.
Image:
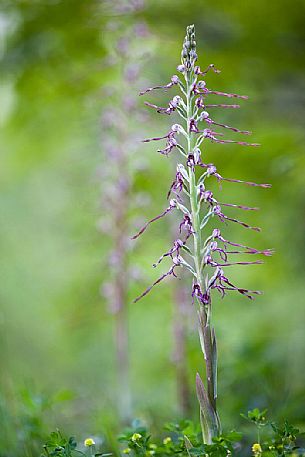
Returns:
(209, 432)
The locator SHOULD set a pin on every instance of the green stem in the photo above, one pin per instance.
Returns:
(205, 329)
(193, 194)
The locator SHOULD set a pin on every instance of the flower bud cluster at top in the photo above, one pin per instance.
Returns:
(188, 54)
(205, 258)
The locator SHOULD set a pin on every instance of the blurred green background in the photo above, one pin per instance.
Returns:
(57, 352)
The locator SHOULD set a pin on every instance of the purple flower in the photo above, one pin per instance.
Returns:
(177, 185)
(171, 272)
(172, 205)
(200, 103)
(207, 133)
(171, 141)
(208, 260)
(172, 106)
(248, 250)
(186, 224)
(217, 211)
(178, 244)
(212, 171)
(174, 81)
(198, 71)
(205, 117)
(193, 126)
(221, 283)
(191, 162)
(200, 88)
(204, 298)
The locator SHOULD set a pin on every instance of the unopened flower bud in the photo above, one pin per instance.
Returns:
(174, 79)
(177, 260)
(207, 195)
(211, 169)
(216, 233)
(201, 190)
(176, 128)
(184, 53)
(213, 246)
(182, 170)
(176, 100)
(197, 154)
(201, 84)
(204, 115)
(181, 68)
(199, 102)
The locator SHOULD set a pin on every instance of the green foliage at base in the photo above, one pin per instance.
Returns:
(184, 439)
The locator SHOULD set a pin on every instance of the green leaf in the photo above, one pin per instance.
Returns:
(210, 427)
(233, 436)
(197, 451)
(214, 362)
(188, 444)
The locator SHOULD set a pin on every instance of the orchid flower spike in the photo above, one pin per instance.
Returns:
(208, 252)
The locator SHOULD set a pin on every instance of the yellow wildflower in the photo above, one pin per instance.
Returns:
(89, 442)
(256, 449)
(135, 437)
(126, 451)
(167, 440)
